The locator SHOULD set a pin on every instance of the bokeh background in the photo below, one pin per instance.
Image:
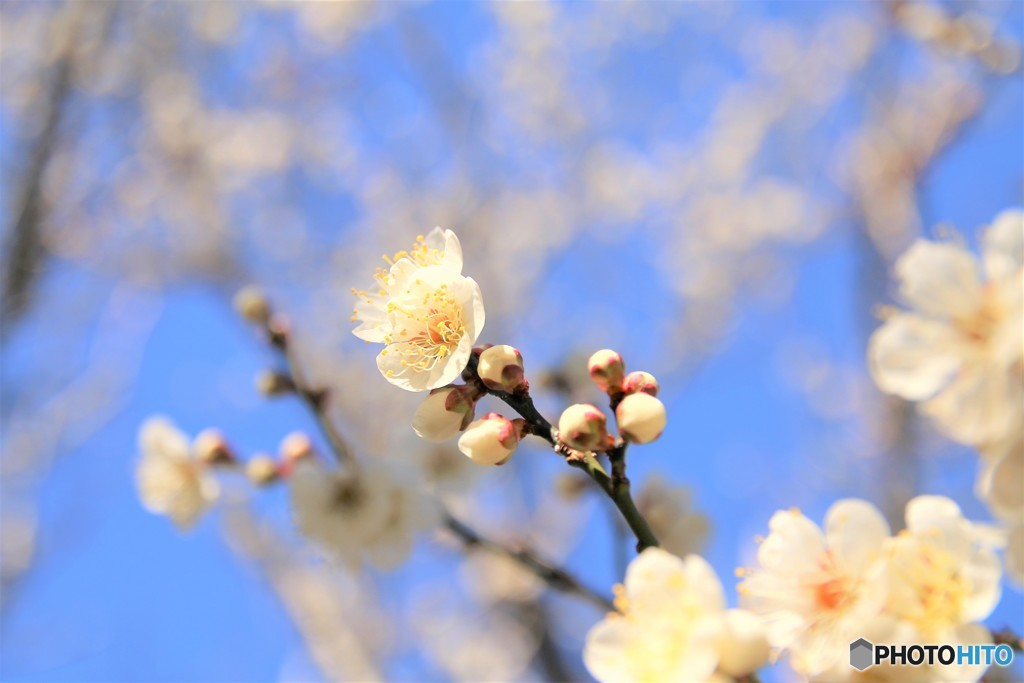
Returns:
(715, 189)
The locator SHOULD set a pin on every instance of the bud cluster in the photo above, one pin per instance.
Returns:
(638, 412)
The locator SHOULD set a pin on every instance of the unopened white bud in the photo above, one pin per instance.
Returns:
(607, 370)
(584, 427)
(743, 647)
(295, 446)
(444, 413)
(641, 418)
(640, 382)
(211, 447)
(261, 469)
(501, 368)
(491, 440)
(252, 305)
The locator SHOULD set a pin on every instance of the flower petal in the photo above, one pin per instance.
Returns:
(855, 532)
(912, 357)
(1002, 245)
(939, 279)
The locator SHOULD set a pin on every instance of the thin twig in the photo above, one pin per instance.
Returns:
(555, 577)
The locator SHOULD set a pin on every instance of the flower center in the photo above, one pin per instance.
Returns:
(979, 328)
(430, 329)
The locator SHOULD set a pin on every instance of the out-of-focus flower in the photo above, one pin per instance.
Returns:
(639, 381)
(641, 418)
(943, 579)
(670, 625)
(169, 480)
(607, 369)
(368, 514)
(501, 368)
(679, 528)
(491, 440)
(444, 413)
(426, 313)
(585, 427)
(960, 351)
(817, 591)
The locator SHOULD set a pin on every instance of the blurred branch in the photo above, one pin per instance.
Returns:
(25, 250)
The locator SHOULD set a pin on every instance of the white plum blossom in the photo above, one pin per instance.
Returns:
(817, 590)
(169, 479)
(943, 579)
(425, 312)
(1001, 485)
(369, 514)
(671, 625)
(959, 351)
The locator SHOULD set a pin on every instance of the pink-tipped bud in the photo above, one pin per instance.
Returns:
(212, 448)
(641, 418)
(584, 427)
(444, 413)
(261, 469)
(638, 382)
(491, 440)
(295, 447)
(607, 370)
(501, 368)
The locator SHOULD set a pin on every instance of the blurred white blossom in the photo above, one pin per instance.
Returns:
(369, 514)
(169, 479)
(960, 350)
(671, 625)
(817, 590)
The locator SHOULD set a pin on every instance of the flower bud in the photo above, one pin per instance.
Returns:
(491, 440)
(295, 446)
(501, 368)
(212, 448)
(584, 427)
(742, 647)
(607, 370)
(641, 418)
(274, 383)
(640, 382)
(261, 469)
(252, 305)
(444, 413)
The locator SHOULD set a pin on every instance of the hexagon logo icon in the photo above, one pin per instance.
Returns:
(861, 654)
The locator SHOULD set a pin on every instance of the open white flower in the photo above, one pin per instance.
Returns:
(960, 350)
(668, 625)
(426, 313)
(370, 514)
(169, 479)
(817, 591)
(943, 579)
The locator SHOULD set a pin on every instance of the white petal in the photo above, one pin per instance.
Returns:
(605, 652)
(794, 546)
(855, 532)
(981, 406)
(1002, 245)
(939, 279)
(912, 357)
